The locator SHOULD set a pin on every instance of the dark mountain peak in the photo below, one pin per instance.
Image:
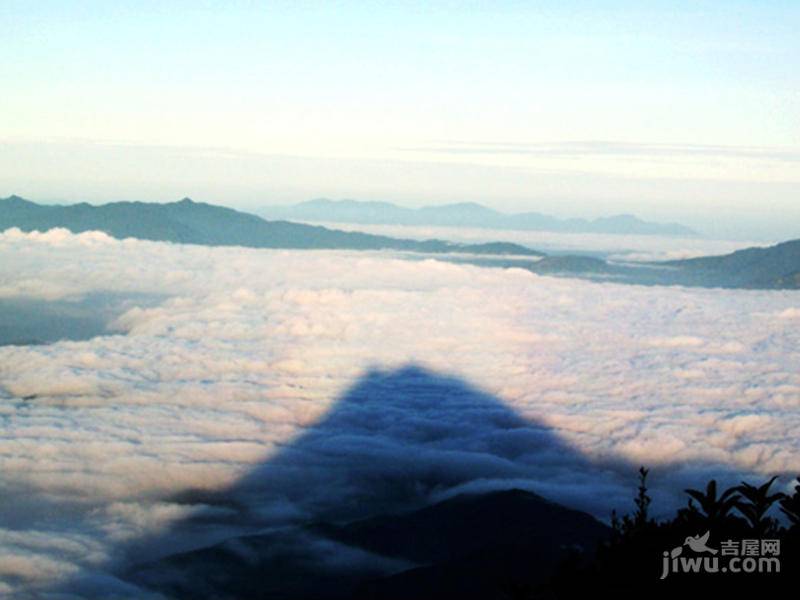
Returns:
(492, 500)
(186, 201)
(514, 494)
(495, 503)
(483, 523)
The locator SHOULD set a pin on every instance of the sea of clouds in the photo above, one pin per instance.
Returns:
(623, 248)
(220, 362)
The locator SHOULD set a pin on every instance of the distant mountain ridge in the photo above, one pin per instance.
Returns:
(190, 222)
(465, 214)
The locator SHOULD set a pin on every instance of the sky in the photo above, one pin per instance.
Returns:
(670, 110)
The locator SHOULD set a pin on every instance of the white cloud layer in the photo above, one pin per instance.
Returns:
(628, 248)
(222, 382)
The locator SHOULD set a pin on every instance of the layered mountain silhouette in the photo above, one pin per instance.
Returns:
(775, 267)
(191, 222)
(465, 214)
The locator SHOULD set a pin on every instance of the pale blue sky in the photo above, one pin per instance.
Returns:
(665, 109)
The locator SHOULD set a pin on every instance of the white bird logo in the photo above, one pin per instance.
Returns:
(698, 544)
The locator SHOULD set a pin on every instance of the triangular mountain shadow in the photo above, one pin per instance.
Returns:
(396, 442)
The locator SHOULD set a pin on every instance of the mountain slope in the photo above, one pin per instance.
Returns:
(468, 522)
(464, 214)
(773, 267)
(465, 547)
(191, 222)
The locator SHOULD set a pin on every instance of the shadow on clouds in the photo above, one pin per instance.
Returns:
(319, 518)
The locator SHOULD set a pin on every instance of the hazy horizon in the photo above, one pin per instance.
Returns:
(753, 230)
(673, 113)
